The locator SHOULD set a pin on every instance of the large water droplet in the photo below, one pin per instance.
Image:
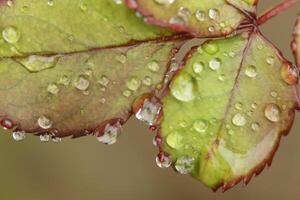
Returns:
(35, 63)
(273, 112)
(183, 88)
(163, 160)
(11, 34)
(19, 135)
(213, 13)
(82, 83)
(111, 134)
(148, 112)
(200, 15)
(185, 164)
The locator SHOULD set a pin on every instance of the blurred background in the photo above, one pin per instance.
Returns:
(85, 169)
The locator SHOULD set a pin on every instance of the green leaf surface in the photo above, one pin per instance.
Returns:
(40, 27)
(79, 91)
(203, 18)
(69, 67)
(228, 108)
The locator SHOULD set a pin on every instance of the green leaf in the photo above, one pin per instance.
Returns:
(69, 67)
(228, 108)
(201, 18)
(296, 42)
(47, 27)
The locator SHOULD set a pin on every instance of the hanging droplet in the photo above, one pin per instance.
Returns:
(45, 138)
(273, 112)
(174, 140)
(11, 34)
(185, 164)
(111, 134)
(44, 122)
(183, 88)
(148, 112)
(239, 120)
(215, 64)
(251, 71)
(200, 126)
(19, 135)
(163, 160)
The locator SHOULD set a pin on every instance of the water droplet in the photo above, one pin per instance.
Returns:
(198, 67)
(239, 120)
(44, 122)
(254, 105)
(174, 140)
(215, 64)
(56, 139)
(211, 48)
(104, 81)
(153, 66)
(7, 124)
(118, 2)
(200, 15)
(185, 164)
(133, 83)
(64, 80)
(121, 58)
(239, 106)
(147, 81)
(200, 126)
(270, 60)
(50, 3)
(11, 34)
(163, 160)
(35, 63)
(127, 93)
(184, 13)
(164, 2)
(19, 135)
(211, 29)
(53, 89)
(102, 100)
(251, 71)
(45, 138)
(111, 134)
(274, 94)
(213, 13)
(176, 20)
(255, 126)
(148, 112)
(82, 83)
(183, 88)
(273, 112)
(290, 74)
(83, 6)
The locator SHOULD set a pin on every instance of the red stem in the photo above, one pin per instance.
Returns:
(276, 10)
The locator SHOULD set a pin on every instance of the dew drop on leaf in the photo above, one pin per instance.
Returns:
(200, 126)
(11, 34)
(239, 120)
(185, 164)
(44, 122)
(215, 64)
(273, 112)
(251, 71)
(174, 140)
(183, 88)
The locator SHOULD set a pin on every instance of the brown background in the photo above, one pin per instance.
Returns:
(85, 169)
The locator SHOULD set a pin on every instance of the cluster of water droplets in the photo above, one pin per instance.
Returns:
(184, 15)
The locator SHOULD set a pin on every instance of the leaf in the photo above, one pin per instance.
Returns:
(204, 18)
(49, 27)
(296, 42)
(227, 110)
(70, 67)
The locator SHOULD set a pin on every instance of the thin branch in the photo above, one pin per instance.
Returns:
(276, 10)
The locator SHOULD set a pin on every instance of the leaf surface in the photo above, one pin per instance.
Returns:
(204, 18)
(228, 108)
(69, 67)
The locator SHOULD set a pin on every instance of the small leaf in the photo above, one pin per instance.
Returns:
(201, 18)
(296, 42)
(69, 67)
(228, 108)
(79, 91)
